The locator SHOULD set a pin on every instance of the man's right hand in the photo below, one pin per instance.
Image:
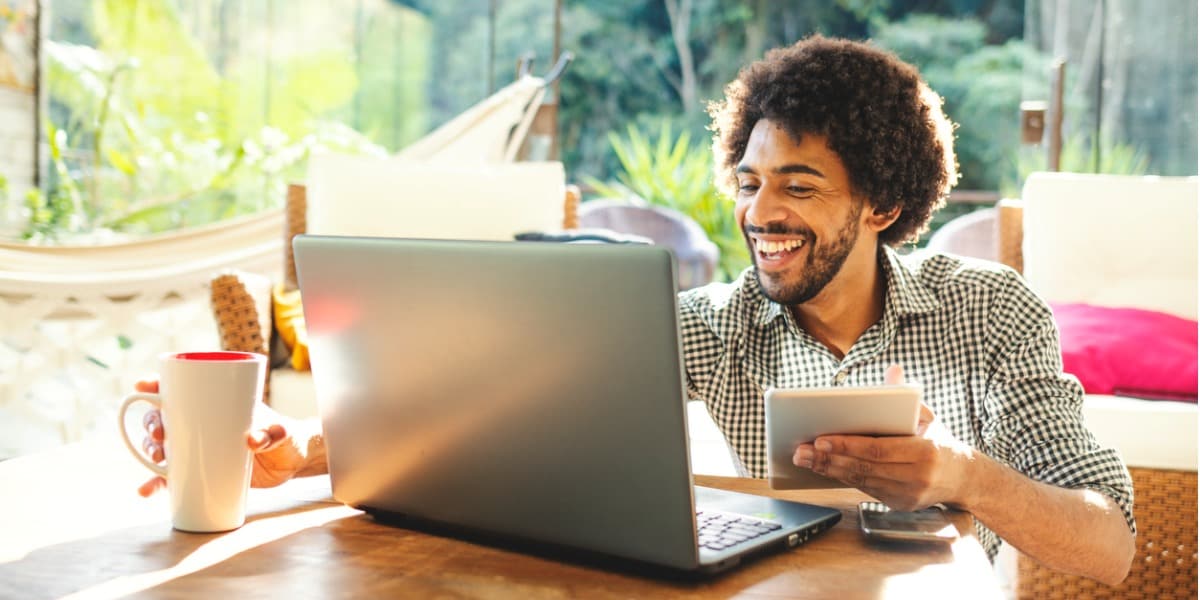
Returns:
(278, 456)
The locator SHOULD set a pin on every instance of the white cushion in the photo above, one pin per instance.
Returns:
(1149, 434)
(1119, 241)
(390, 197)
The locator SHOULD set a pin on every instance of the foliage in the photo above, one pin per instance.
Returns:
(628, 71)
(669, 171)
(148, 132)
(163, 123)
(981, 85)
(627, 62)
(1078, 156)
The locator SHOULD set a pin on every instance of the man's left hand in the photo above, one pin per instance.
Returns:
(904, 472)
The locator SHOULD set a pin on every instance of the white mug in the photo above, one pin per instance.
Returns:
(207, 404)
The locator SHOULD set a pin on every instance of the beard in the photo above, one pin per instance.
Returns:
(822, 264)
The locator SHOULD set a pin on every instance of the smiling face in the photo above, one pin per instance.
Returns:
(797, 212)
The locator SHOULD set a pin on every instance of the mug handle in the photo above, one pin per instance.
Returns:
(129, 400)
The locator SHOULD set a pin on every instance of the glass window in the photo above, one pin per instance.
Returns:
(167, 114)
(1130, 93)
(170, 113)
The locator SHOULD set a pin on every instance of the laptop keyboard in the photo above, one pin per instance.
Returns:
(718, 531)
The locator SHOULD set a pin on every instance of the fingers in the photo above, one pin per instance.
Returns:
(153, 449)
(151, 486)
(146, 386)
(152, 444)
(924, 419)
(900, 449)
(894, 375)
(267, 439)
(153, 424)
(852, 470)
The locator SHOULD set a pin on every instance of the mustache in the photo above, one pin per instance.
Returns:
(779, 229)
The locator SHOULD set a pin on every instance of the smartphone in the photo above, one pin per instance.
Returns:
(926, 525)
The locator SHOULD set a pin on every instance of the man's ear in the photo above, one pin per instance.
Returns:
(878, 219)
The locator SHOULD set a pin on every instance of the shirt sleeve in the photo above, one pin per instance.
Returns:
(1033, 418)
(702, 347)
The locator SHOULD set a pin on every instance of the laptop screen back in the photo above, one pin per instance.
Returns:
(526, 389)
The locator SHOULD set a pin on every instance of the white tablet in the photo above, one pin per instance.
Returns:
(797, 416)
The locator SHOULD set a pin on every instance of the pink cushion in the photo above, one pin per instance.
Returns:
(1128, 351)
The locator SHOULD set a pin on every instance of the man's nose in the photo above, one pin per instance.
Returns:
(765, 208)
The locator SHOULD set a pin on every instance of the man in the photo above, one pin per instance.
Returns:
(835, 153)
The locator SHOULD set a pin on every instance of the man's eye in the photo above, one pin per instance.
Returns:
(747, 187)
(795, 189)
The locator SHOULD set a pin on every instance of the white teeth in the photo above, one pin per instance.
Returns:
(769, 247)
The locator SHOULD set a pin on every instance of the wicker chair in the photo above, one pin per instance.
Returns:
(241, 301)
(696, 255)
(1165, 565)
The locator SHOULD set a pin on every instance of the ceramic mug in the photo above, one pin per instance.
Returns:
(207, 403)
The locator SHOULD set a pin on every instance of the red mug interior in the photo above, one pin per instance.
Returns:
(214, 356)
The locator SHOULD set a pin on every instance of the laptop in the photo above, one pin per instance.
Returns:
(527, 391)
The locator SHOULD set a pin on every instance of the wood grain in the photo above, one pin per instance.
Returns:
(71, 525)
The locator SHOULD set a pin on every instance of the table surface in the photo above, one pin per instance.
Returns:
(71, 524)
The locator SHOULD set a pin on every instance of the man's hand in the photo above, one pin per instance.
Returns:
(906, 473)
(277, 455)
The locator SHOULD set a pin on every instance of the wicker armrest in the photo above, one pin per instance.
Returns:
(1165, 563)
(1010, 233)
(241, 304)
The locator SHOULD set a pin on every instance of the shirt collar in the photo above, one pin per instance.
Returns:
(906, 295)
(768, 310)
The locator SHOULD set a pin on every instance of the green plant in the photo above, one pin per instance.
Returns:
(670, 171)
(61, 208)
(981, 84)
(1079, 156)
(148, 132)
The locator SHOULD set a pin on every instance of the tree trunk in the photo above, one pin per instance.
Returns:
(680, 13)
(756, 33)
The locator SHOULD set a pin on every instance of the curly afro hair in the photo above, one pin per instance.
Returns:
(884, 123)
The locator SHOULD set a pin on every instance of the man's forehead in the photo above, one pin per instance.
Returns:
(771, 146)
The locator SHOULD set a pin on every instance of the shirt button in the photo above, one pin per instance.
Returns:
(841, 376)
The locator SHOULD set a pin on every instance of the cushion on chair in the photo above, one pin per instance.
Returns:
(367, 196)
(1111, 240)
(1128, 351)
(289, 323)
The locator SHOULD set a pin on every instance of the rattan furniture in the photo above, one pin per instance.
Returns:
(1081, 238)
(695, 255)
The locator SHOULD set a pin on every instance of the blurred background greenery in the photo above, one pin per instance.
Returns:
(163, 114)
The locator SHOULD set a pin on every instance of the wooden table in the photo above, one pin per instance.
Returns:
(72, 525)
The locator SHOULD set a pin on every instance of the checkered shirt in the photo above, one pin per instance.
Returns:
(981, 343)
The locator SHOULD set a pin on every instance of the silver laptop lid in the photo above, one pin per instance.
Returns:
(527, 389)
